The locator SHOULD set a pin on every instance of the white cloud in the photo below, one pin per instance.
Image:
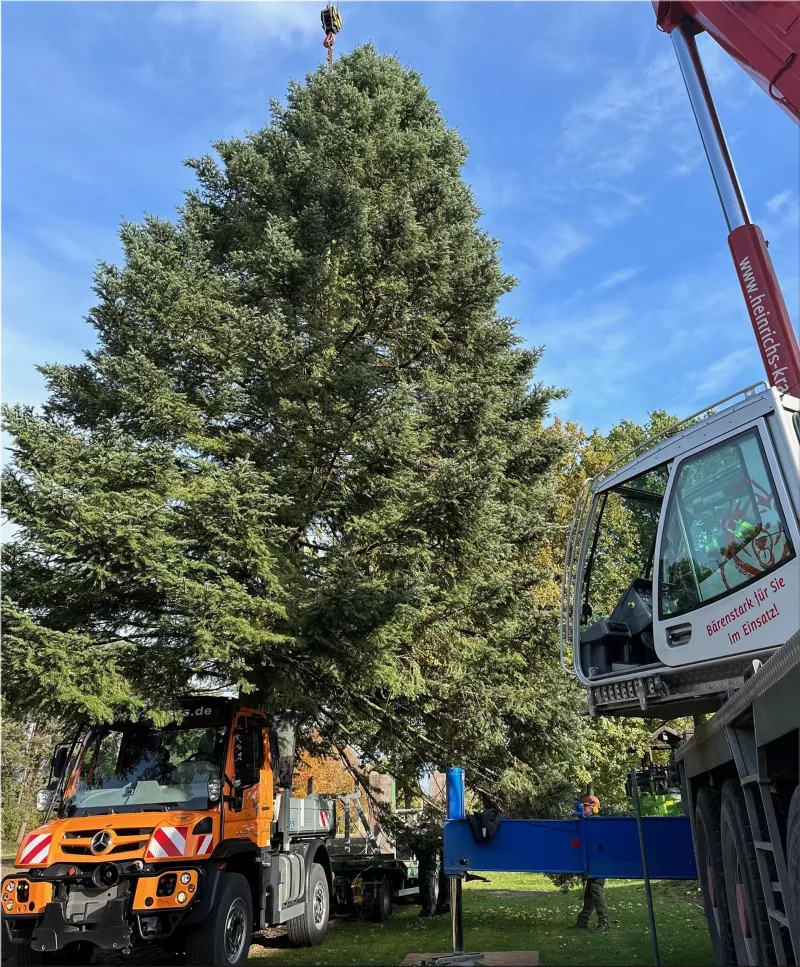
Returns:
(494, 190)
(711, 380)
(626, 204)
(556, 243)
(780, 201)
(249, 22)
(43, 320)
(617, 278)
(613, 131)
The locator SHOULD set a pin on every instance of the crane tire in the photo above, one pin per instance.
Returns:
(710, 874)
(752, 938)
(793, 858)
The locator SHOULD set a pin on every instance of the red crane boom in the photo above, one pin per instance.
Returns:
(764, 38)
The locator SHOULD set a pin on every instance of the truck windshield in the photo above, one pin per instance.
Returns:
(134, 767)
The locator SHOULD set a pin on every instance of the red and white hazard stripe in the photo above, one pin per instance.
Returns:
(323, 819)
(167, 841)
(36, 848)
(204, 844)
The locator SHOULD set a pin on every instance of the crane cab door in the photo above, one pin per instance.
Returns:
(726, 578)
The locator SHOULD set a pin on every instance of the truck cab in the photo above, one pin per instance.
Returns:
(681, 566)
(183, 835)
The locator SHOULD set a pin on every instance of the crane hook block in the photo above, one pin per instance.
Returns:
(331, 22)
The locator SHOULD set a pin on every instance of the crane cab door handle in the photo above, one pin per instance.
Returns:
(679, 634)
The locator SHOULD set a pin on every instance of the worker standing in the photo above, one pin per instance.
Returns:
(594, 890)
(428, 849)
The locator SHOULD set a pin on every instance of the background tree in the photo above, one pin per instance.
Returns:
(27, 748)
(306, 458)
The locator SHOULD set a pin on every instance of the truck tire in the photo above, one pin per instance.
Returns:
(711, 876)
(224, 936)
(793, 858)
(382, 906)
(752, 939)
(309, 929)
(74, 953)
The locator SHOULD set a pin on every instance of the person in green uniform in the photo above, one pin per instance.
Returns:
(594, 890)
(426, 843)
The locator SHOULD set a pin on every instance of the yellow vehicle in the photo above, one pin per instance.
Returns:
(184, 836)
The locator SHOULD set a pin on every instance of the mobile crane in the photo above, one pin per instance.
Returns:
(705, 610)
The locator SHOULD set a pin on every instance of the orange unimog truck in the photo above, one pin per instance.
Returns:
(183, 836)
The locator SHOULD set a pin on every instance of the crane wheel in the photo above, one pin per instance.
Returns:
(711, 876)
(793, 858)
(748, 910)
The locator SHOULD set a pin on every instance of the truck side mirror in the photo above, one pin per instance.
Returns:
(59, 761)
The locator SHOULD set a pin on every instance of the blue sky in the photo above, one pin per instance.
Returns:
(584, 160)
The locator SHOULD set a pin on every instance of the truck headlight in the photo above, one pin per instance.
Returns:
(43, 799)
(185, 877)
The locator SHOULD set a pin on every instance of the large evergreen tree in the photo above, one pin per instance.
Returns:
(306, 457)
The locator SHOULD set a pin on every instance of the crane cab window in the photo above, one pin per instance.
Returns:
(617, 591)
(724, 528)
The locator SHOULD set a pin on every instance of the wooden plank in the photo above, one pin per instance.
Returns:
(498, 958)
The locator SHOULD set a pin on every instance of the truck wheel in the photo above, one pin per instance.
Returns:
(309, 929)
(224, 936)
(748, 910)
(793, 857)
(382, 906)
(74, 953)
(711, 876)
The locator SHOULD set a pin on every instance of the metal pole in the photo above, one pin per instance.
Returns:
(711, 133)
(457, 913)
(650, 912)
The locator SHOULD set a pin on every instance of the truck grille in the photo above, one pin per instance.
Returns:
(77, 842)
(75, 850)
(88, 833)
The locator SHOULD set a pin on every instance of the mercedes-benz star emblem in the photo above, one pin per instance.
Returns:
(101, 841)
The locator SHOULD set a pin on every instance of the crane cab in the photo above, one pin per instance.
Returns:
(682, 563)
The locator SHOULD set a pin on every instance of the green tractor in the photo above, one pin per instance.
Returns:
(659, 792)
(659, 788)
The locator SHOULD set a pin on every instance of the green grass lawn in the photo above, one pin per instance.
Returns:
(533, 922)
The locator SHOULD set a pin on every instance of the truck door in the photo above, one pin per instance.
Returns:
(242, 813)
(727, 569)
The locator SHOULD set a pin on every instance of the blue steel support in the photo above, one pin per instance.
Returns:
(599, 846)
(456, 811)
(454, 784)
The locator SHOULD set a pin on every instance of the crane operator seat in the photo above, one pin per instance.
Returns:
(625, 639)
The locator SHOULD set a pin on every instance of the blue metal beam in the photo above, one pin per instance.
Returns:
(598, 846)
